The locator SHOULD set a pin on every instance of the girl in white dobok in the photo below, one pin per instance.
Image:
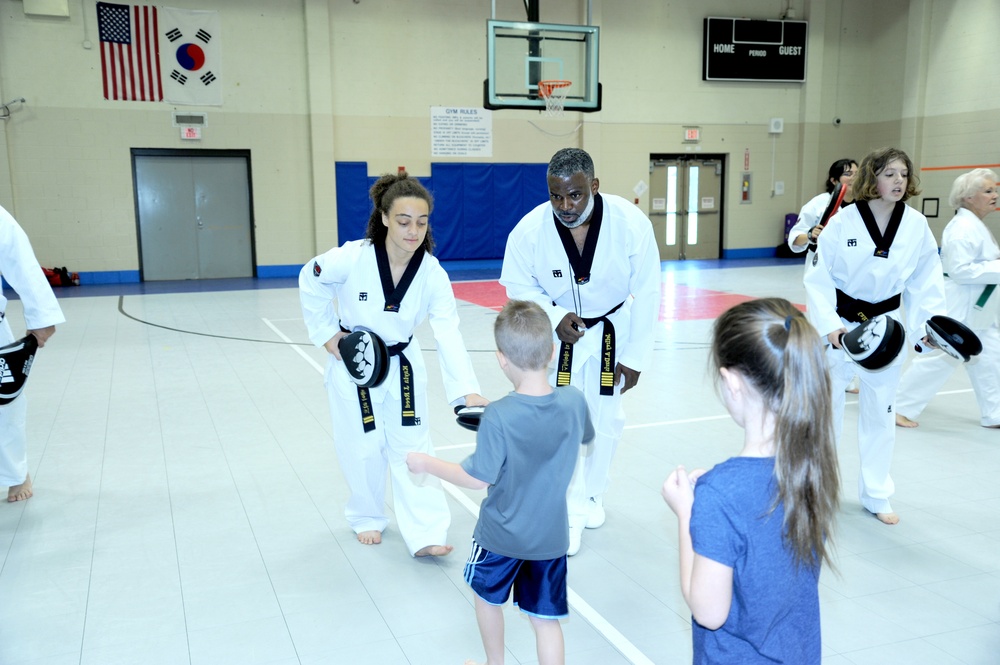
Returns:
(873, 258)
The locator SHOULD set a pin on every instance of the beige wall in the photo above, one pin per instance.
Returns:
(70, 167)
(311, 82)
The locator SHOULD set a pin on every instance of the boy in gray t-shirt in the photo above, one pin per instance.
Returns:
(526, 449)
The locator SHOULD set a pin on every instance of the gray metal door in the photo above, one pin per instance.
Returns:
(685, 200)
(194, 216)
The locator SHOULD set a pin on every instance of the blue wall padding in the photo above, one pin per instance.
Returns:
(530, 190)
(447, 186)
(475, 205)
(353, 207)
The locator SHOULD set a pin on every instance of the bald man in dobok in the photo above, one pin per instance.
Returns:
(591, 262)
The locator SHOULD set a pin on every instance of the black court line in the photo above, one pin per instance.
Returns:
(121, 309)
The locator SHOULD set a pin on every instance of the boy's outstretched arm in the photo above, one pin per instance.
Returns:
(449, 471)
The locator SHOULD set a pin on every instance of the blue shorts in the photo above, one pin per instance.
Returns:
(539, 586)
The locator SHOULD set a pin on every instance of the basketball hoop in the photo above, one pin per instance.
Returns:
(554, 94)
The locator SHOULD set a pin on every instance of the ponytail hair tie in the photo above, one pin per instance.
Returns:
(788, 322)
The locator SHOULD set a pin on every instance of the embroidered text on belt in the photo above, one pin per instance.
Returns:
(860, 311)
(563, 374)
(406, 394)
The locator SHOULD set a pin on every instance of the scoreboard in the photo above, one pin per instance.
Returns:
(743, 49)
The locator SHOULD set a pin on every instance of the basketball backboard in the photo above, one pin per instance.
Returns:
(520, 54)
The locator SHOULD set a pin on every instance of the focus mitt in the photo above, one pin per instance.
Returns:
(469, 416)
(954, 337)
(875, 343)
(15, 363)
(366, 357)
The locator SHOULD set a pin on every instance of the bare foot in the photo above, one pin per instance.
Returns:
(20, 492)
(370, 537)
(903, 421)
(434, 550)
(887, 518)
(473, 662)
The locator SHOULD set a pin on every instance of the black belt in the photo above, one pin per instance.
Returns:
(563, 373)
(860, 311)
(406, 392)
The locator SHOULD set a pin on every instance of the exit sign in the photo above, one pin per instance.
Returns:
(692, 134)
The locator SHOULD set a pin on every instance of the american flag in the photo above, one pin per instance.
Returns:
(130, 61)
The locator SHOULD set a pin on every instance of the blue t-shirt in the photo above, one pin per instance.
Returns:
(526, 449)
(774, 617)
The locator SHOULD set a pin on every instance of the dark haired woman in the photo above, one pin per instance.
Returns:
(802, 237)
(388, 283)
(808, 226)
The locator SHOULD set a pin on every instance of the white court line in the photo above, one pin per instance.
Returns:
(582, 607)
(297, 349)
(588, 613)
(601, 625)
(684, 421)
(456, 446)
(665, 423)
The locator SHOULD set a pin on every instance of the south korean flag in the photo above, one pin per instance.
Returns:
(191, 56)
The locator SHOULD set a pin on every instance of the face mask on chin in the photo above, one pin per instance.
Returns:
(579, 220)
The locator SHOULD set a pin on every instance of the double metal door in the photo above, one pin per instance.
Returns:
(685, 200)
(194, 214)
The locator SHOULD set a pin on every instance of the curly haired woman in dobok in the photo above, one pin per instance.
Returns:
(389, 283)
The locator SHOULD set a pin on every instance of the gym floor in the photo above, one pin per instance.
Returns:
(188, 502)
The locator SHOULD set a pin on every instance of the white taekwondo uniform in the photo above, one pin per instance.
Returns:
(809, 216)
(625, 270)
(21, 271)
(971, 260)
(343, 288)
(845, 260)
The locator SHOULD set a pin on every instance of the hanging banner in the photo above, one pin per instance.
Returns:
(130, 63)
(191, 56)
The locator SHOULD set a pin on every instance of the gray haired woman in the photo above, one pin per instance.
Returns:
(971, 259)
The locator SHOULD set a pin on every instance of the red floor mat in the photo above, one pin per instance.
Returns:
(678, 303)
(486, 294)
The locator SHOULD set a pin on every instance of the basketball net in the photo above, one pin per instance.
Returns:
(554, 94)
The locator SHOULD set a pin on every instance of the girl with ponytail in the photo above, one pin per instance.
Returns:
(754, 530)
